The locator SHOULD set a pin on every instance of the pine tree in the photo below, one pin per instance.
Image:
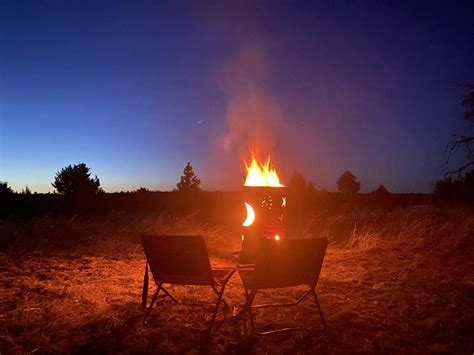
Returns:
(189, 182)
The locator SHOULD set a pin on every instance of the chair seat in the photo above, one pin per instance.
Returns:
(221, 274)
(247, 274)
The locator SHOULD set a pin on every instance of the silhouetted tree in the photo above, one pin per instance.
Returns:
(464, 142)
(468, 104)
(380, 191)
(76, 180)
(300, 187)
(298, 183)
(189, 182)
(310, 189)
(347, 183)
(5, 190)
(26, 191)
(448, 190)
(453, 190)
(469, 185)
(6, 195)
(380, 197)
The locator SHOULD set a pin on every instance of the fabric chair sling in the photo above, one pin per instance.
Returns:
(249, 250)
(181, 260)
(283, 263)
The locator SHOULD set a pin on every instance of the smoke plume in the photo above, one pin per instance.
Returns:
(253, 116)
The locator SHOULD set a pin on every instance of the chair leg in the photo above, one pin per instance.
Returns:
(169, 295)
(319, 309)
(148, 310)
(153, 300)
(216, 291)
(220, 295)
(302, 297)
(216, 309)
(250, 296)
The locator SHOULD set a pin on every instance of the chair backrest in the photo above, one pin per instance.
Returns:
(289, 262)
(178, 259)
(249, 250)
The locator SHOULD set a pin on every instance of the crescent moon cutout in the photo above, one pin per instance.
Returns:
(250, 215)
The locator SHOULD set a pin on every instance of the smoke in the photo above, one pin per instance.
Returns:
(253, 116)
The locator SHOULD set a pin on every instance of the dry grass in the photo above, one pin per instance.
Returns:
(398, 281)
(427, 227)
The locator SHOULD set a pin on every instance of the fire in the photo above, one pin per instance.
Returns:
(261, 174)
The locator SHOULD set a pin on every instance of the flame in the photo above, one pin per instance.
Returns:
(250, 216)
(261, 174)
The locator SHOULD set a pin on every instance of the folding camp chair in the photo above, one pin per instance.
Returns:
(283, 263)
(181, 260)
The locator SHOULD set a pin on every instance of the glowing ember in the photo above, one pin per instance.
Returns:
(261, 174)
(250, 216)
(277, 237)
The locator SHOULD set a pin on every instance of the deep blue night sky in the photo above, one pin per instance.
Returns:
(137, 89)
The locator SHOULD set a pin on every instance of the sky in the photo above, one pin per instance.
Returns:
(136, 89)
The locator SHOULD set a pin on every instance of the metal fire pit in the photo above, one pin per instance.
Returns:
(268, 204)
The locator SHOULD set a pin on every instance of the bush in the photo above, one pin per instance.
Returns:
(460, 190)
(347, 183)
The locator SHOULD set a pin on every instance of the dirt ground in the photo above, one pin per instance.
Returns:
(384, 299)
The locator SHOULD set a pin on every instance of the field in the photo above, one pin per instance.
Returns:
(391, 281)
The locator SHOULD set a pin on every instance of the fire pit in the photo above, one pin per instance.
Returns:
(265, 202)
(265, 212)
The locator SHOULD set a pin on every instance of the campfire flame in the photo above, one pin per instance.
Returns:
(261, 174)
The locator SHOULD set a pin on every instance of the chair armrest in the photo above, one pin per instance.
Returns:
(235, 255)
(245, 266)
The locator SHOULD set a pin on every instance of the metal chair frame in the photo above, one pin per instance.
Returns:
(250, 294)
(218, 288)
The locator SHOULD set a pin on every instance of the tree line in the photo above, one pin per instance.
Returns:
(76, 181)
